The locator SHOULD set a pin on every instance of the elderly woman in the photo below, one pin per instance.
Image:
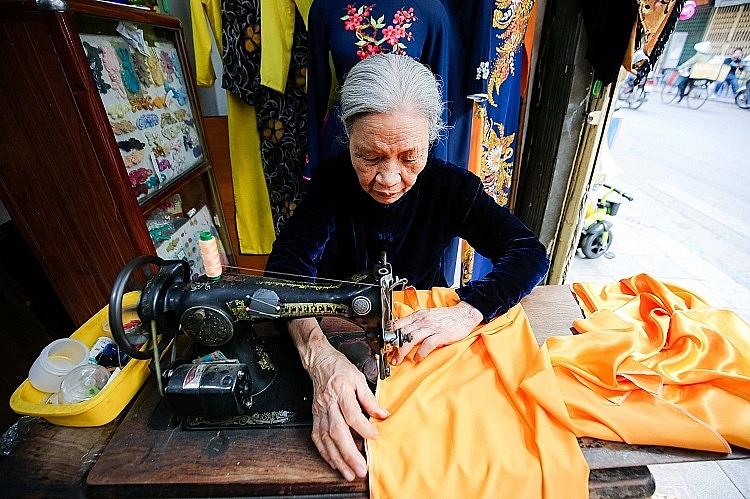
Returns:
(388, 194)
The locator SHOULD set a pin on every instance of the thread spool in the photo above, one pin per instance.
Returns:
(210, 254)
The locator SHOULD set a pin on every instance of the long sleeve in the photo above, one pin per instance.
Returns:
(519, 260)
(277, 29)
(200, 12)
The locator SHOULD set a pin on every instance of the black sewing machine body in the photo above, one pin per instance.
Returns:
(227, 313)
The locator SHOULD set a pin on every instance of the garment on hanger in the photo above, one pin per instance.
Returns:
(462, 424)
(255, 228)
(501, 67)
(280, 112)
(342, 33)
(281, 118)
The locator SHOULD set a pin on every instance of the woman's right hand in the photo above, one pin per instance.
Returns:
(340, 392)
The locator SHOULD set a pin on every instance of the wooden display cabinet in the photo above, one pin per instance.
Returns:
(103, 156)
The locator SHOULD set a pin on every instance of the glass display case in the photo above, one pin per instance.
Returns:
(105, 157)
(138, 74)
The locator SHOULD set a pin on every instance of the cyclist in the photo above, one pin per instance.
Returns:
(702, 54)
(735, 63)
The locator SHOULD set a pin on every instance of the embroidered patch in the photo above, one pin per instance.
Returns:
(142, 103)
(127, 72)
(166, 65)
(116, 111)
(167, 119)
(176, 65)
(123, 127)
(93, 54)
(155, 68)
(113, 69)
(147, 121)
(142, 71)
(130, 144)
(132, 159)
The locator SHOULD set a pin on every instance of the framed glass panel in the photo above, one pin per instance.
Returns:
(139, 76)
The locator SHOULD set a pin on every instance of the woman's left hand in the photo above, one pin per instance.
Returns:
(435, 327)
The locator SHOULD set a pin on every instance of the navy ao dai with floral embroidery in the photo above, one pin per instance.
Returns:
(352, 31)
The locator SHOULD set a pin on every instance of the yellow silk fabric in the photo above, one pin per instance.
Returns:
(462, 423)
(655, 365)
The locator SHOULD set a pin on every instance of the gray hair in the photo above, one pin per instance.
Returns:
(384, 83)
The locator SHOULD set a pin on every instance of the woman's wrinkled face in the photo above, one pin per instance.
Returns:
(388, 151)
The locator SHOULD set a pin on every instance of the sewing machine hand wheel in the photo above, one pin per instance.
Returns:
(152, 292)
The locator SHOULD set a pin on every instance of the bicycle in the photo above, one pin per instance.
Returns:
(696, 92)
(633, 96)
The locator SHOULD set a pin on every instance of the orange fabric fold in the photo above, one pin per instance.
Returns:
(655, 365)
(467, 421)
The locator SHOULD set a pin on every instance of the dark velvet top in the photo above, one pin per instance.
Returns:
(339, 230)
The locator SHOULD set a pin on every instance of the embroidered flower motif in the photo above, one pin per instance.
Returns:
(483, 71)
(252, 38)
(373, 33)
(355, 16)
(166, 65)
(288, 208)
(300, 79)
(273, 131)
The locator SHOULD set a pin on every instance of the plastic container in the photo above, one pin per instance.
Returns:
(56, 360)
(105, 406)
(83, 383)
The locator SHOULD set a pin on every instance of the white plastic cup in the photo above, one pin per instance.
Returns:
(56, 360)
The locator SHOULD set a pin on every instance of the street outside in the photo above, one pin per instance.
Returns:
(689, 173)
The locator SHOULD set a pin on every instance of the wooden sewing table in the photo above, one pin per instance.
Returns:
(127, 458)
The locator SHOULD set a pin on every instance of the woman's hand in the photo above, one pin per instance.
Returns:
(340, 392)
(435, 327)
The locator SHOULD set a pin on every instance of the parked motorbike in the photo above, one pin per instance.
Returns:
(596, 236)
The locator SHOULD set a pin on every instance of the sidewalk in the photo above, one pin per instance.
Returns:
(689, 172)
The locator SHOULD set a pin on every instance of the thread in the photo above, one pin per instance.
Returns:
(210, 254)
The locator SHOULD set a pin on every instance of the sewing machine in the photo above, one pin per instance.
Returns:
(244, 368)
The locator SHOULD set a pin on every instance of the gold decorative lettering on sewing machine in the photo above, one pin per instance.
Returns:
(207, 309)
(314, 310)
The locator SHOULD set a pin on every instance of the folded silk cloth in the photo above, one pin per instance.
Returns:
(655, 364)
(462, 423)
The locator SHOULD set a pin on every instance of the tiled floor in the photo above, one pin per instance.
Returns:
(643, 244)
